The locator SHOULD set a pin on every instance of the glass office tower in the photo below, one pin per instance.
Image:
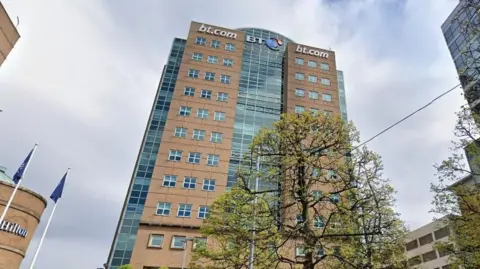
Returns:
(219, 87)
(463, 43)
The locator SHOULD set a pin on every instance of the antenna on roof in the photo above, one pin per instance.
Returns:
(18, 22)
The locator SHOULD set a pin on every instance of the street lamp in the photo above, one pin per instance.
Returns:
(185, 250)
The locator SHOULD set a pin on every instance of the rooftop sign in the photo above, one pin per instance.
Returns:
(313, 52)
(271, 43)
(217, 32)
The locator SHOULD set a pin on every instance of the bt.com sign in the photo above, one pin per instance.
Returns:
(313, 52)
(217, 32)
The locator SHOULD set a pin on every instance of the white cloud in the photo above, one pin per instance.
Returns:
(82, 79)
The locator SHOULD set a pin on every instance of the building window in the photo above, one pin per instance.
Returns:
(298, 76)
(185, 111)
(222, 96)
(169, 181)
(175, 155)
(429, 256)
(216, 137)
(327, 113)
(449, 249)
(300, 92)
(219, 116)
(189, 91)
(193, 73)
(426, 239)
(415, 260)
(208, 185)
(299, 61)
(441, 233)
(331, 174)
(215, 44)
(326, 81)
(313, 95)
(199, 242)
(213, 159)
(319, 252)
(194, 157)
(335, 198)
(300, 251)
(212, 59)
(189, 183)
(411, 245)
(198, 134)
(178, 242)
(197, 56)
(200, 41)
(206, 94)
(155, 241)
(324, 66)
(210, 76)
(299, 109)
(312, 63)
(184, 211)
(327, 97)
(225, 79)
(202, 113)
(163, 209)
(227, 62)
(180, 132)
(230, 47)
(336, 251)
(316, 172)
(312, 78)
(202, 212)
(299, 219)
(314, 111)
(317, 195)
(318, 222)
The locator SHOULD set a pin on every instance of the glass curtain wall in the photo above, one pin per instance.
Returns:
(260, 95)
(126, 233)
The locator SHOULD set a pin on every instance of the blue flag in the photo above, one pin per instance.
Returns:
(21, 170)
(57, 193)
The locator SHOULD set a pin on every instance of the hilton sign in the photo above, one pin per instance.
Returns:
(13, 228)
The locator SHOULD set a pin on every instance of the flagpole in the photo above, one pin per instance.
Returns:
(57, 193)
(16, 187)
(43, 237)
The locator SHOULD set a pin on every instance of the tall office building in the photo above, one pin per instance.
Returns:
(218, 88)
(460, 30)
(8, 34)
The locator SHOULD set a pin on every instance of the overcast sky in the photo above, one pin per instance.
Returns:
(83, 76)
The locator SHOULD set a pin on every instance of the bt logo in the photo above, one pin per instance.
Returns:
(271, 43)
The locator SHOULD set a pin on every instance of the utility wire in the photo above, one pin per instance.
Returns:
(411, 114)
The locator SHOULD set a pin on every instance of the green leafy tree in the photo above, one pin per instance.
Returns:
(321, 203)
(457, 194)
(126, 266)
(229, 226)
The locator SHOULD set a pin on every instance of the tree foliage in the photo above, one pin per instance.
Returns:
(320, 203)
(457, 196)
(126, 266)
